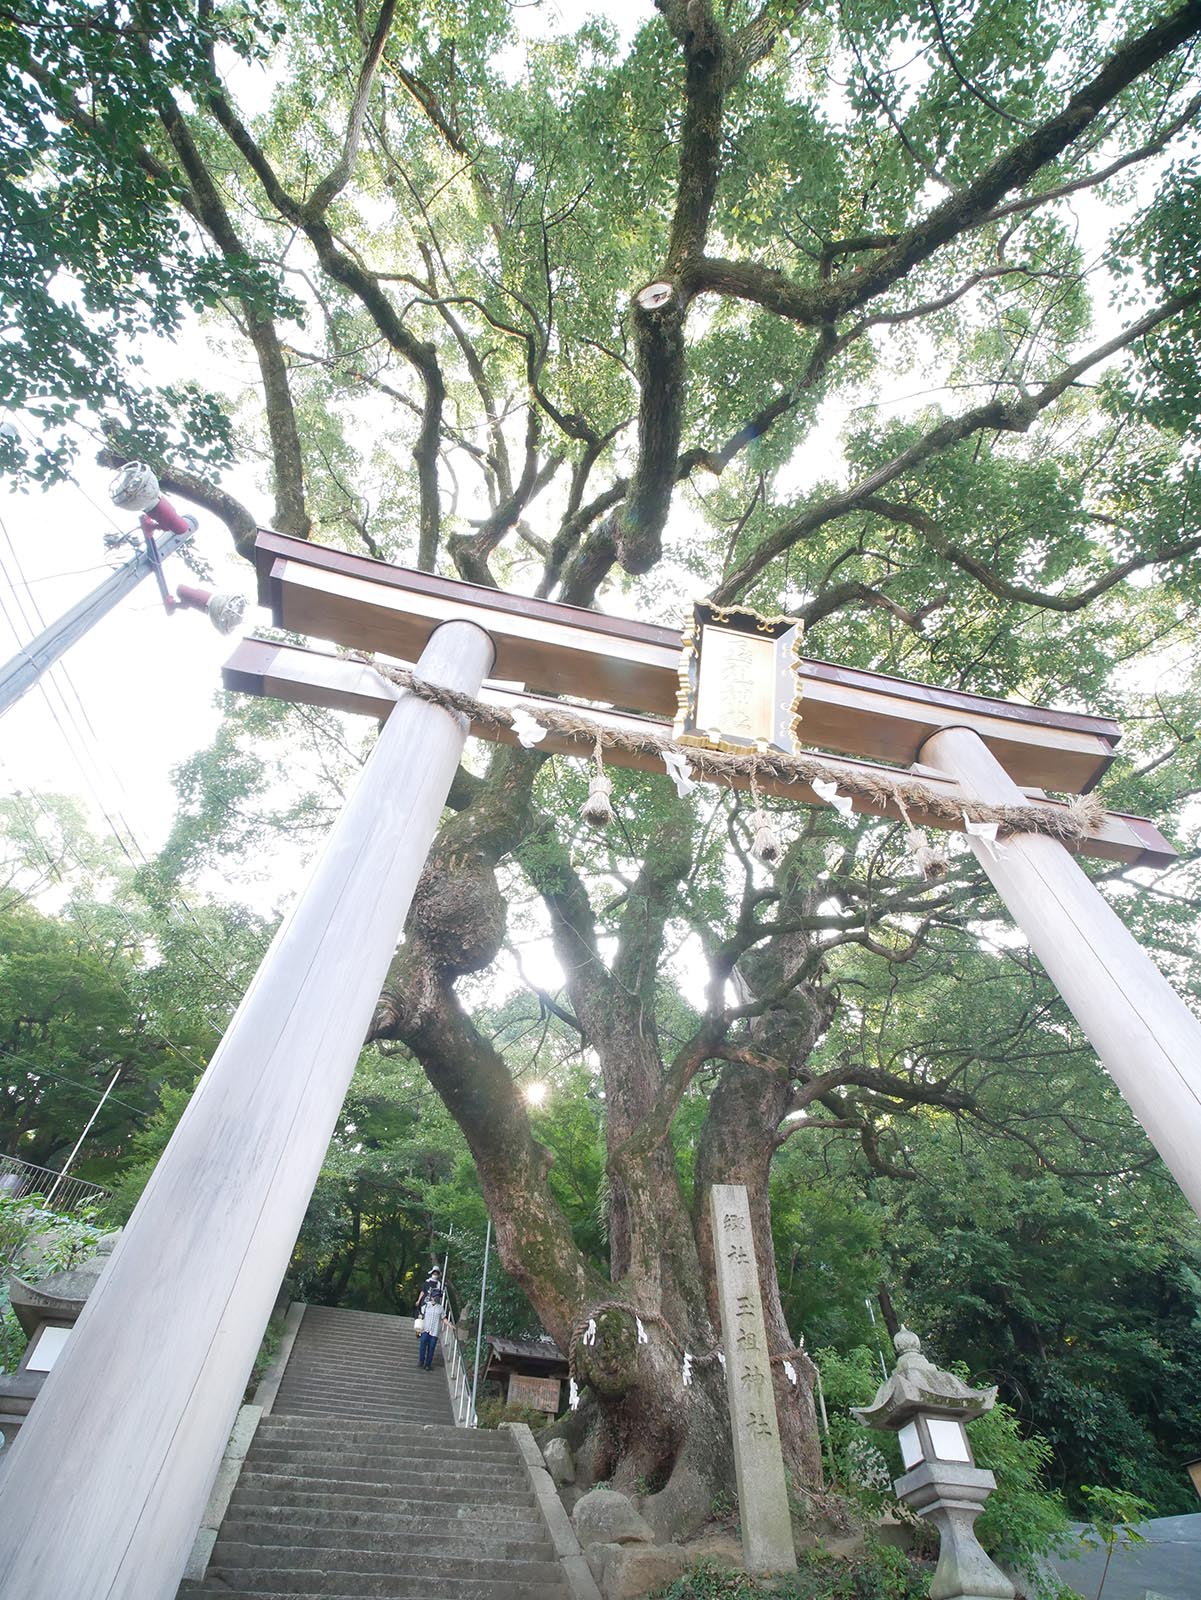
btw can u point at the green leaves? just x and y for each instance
(96, 253)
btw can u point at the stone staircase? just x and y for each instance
(358, 1484)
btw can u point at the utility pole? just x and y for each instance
(70, 1161)
(29, 663)
(164, 531)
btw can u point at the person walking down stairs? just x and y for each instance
(429, 1304)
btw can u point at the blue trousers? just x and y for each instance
(425, 1350)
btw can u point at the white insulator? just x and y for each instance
(135, 488)
(226, 610)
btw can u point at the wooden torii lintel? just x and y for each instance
(630, 665)
(310, 677)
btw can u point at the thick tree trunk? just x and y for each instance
(652, 1422)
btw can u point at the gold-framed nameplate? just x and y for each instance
(739, 684)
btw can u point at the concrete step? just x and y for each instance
(414, 1383)
(434, 1397)
(347, 1411)
(282, 1488)
(408, 1549)
(360, 1356)
(469, 1482)
(306, 1433)
(408, 1516)
(403, 1373)
(359, 1352)
(352, 1412)
(369, 1565)
(401, 1368)
(432, 1390)
(402, 1587)
(330, 1460)
(357, 1458)
(385, 1435)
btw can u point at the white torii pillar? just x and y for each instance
(1145, 1035)
(108, 1479)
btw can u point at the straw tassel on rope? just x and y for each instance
(765, 845)
(597, 810)
(931, 860)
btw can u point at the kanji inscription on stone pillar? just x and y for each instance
(758, 1458)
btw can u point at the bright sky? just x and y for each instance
(138, 694)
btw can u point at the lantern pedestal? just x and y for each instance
(952, 1496)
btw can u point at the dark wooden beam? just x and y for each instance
(555, 649)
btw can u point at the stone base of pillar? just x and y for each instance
(952, 1497)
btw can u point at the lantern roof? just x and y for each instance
(918, 1385)
(59, 1297)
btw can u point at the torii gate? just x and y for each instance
(108, 1478)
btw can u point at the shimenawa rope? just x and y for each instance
(1083, 815)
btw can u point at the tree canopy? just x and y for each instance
(881, 316)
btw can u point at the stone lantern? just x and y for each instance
(927, 1409)
(47, 1311)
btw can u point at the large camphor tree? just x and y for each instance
(916, 365)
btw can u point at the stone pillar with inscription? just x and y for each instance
(758, 1459)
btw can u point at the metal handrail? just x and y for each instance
(456, 1378)
(19, 1179)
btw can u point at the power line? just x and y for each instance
(91, 745)
(47, 1072)
(71, 572)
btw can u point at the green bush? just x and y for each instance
(882, 1574)
(1023, 1519)
(491, 1413)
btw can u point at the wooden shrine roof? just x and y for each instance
(533, 1356)
(370, 605)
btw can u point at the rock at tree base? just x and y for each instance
(560, 1462)
(628, 1571)
(603, 1516)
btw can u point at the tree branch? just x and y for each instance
(344, 269)
(914, 518)
(335, 181)
(961, 211)
(999, 415)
